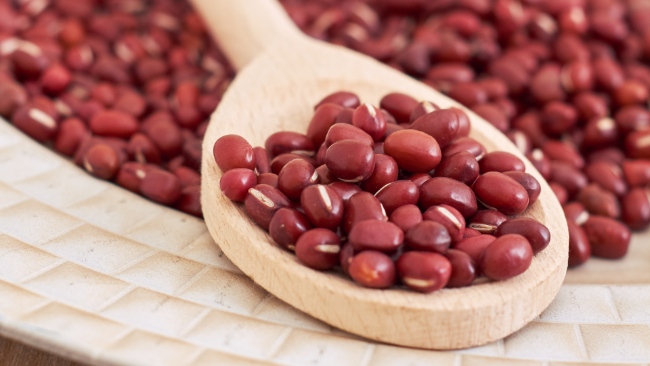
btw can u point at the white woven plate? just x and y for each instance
(95, 273)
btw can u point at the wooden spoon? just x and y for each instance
(282, 74)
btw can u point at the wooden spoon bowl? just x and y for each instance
(277, 90)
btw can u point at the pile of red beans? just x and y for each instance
(566, 80)
(396, 193)
(124, 87)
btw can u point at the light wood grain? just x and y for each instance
(277, 91)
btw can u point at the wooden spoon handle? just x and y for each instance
(245, 28)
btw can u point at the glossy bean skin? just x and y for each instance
(608, 238)
(461, 166)
(130, 175)
(397, 194)
(323, 206)
(372, 269)
(379, 235)
(599, 201)
(579, 248)
(440, 190)
(71, 132)
(465, 144)
(362, 206)
(161, 186)
(530, 184)
(419, 179)
(463, 268)
(232, 151)
(262, 162)
(635, 209)
(324, 118)
(506, 257)
(428, 236)
(398, 105)
(475, 246)
(345, 257)
(575, 212)
(567, 176)
(541, 162)
(498, 191)
(536, 233)
(422, 108)
(350, 160)
(190, 201)
(441, 124)
(281, 160)
(269, 179)
(560, 151)
(486, 221)
(414, 151)
(262, 202)
(295, 177)
(318, 249)
(607, 175)
(286, 142)
(449, 217)
(370, 119)
(345, 190)
(493, 114)
(500, 161)
(287, 226)
(424, 271)
(637, 144)
(636, 172)
(406, 217)
(113, 124)
(385, 172)
(470, 233)
(342, 98)
(342, 131)
(101, 161)
(235, 183)
(521, 141)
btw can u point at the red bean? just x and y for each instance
(463, 268)
(419, 178)
(130, 175)
(342, 131)
(500, 192)
(263, 165)
(468, 94)
(397, 194)
(590, 106)
(287, 226)
(350, 160)
(579, 249)
(113, 124)
(399, 106)
(608, 176)
(345, 257)
(345, 190)
(322, 205)
(530, 123)
(448, 217)
(268, 179)
(508, 256)
(501, 161)
(598, 201)
(560, 192)
(521, 141)
(558, 117)
(262, 202)
(143, 150)
(492, 114)
(637, 144)
(630, 92)
(37, 118)
(577, 76)
(287, 142)
(635, 209)
(190, 201)
(441, 124)
(575, 212)
(318, 249)
(556, 150)
(439, 191)
(568, 177)
(470, 233)
(465, 144)
(536, 233)
(540, 162)
(475, 246)
(55, 79)
(342, 98)
(546, 85)
(608, 74)
(414, 151)
(12, 96)
(324, 118)
(295, 176)
(637, 172)
(372, 269)
(461, 166)
(161, 186)
(632, 118)
(235, 183)
(608, 238)
(281, 160)
(188, 177)
(101, 161)
(362, 206)
(600, 132)
(423, 271)
(422, 108)
(486, 221)
(232, 151)
(376, 235)
(530, 184)
(406, 217)
(385, 172)
(428, 236)
(369, 119)
(70, 135)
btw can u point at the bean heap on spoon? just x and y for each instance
(393, 195)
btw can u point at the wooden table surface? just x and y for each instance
(17, 354)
